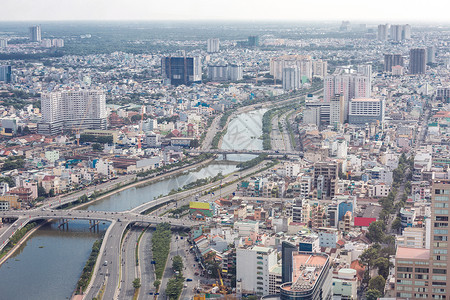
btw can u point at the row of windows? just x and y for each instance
(441, 198)
(441, 211)
(442, 192)
(440, 205)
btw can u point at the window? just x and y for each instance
(421, 290)
(441, 211)
(408, 282)
(440, 251)
(441, 198)
(440, 205)
(404, 269)
(439, 277)
(439, 257)
(440, 291)
(440, 231)
(422, 270)
(440, 245)
(420, 276)
(440, 238)
(403, 275)
(439, 271)
(438, 283)
(441, 218)
(442, 192)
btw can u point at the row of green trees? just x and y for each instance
(376, 257)
(179, 164)
(161, 247)
(253, 162)
(175, 284)
(13, 162)
(17, 237)
(86, 274)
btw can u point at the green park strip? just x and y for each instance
(161, 247)
(86, 274)
(137, 246)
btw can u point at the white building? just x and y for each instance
(253, 267)
(225, 72)
(213, 45)
(3, 43)
(366, 110)
(72, 110)
(413, 237)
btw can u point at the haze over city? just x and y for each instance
(415, 11)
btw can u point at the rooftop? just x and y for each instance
(412, 253)
(306, 270)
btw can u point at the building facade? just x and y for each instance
(181, 70)
(417, 61)
(72, 110)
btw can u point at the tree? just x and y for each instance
(177, 264)
(373, 294)
(397, 224)
(8, 180)
(367, 258)
(136, 283)
(51, 193)
(383, 265)
(156, 284)
(376, 231)
(377, 283)
(41, 192)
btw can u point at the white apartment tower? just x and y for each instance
(72, 110)
(213, 45)
(253, 267)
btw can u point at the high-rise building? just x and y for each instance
(6, 73)
(396, 32)
(337, 110)
(181, 70)
(253, 41)
(392, 60)
(213, 45)
(253, 266)
(423, 273)
(325, 179)
(406, 35)
(350, 85)
(383, 32)
(304, 63)
(3, 43)
(431, 54)
(366, 110)
(319, 68)
(72, 110)
(291, 79)
(443, 94)
(417, 61)
(228, 72)
(311, 278)
(35, 33)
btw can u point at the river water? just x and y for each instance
(49, 264)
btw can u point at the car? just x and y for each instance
(105, 263)
(188, 279)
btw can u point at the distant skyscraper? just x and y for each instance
(337, 110)
(392, 60)
(72, 110)
(291, 79)
(181, 70)
(431, 54)
(406, 32)
(6, 73)
(228, 72)
(351, 85)
(253, 41)
(383, 32)
(35, 33)
(396, 32)
(417, 61)
(213, 45)
(303, 62)
(3, 43)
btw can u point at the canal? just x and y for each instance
(49, 264)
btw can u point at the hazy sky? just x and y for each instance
(296, 10)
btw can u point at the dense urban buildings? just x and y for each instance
(301, 160)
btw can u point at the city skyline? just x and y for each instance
(252, 10)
